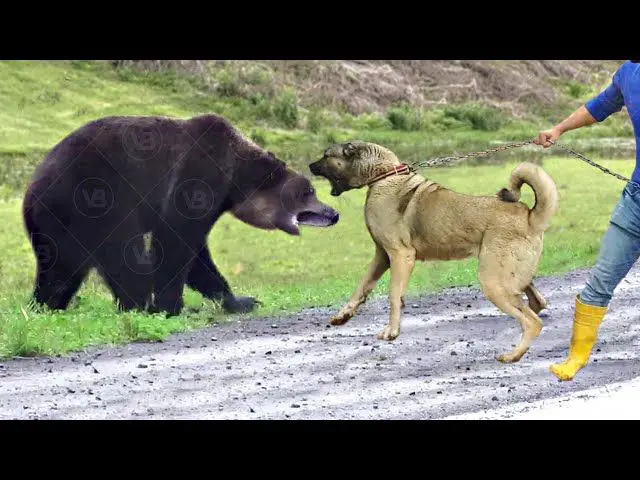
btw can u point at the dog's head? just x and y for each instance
(353, 165)
(284, 199)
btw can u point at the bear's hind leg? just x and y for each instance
(126, 264)
(56, 286)
(61, 266)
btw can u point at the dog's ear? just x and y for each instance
(349, 149)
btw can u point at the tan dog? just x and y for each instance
(412, 218)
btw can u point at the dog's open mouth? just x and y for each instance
(314, 219)
(336, 186)
(336, 190)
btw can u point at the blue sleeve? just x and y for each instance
(609, 101)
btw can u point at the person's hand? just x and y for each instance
(547, 137)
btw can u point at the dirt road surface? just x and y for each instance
(441, 367)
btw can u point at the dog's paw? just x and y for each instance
(536, 306)
(342, 317)
(389, 333)
(508, 358)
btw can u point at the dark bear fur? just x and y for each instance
(114, 179)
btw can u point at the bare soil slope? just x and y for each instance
(360, 86)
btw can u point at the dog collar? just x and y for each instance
(402, 169)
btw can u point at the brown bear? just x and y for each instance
(135, 197)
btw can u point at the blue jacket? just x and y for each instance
(624, 90)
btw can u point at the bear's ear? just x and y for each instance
(267, 170)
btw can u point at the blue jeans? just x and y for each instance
(619, 250)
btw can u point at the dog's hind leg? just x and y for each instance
(529, 322)
(402, 263)
(377, 267)
(531, 330)
(505, 275)
(537, 302)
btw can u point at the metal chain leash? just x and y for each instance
(452, 160)
(591, 162)
(436, 162)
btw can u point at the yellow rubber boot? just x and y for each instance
(586, 322)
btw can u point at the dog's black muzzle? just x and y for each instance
(315, 168)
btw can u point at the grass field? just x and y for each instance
(42, 101)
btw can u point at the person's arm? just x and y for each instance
(578, 119)
(595, 110)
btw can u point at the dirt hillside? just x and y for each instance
(365, 86)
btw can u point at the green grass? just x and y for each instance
(287, 273)
(40, 102)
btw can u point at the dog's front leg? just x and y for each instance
(377, 267)
(402, 263)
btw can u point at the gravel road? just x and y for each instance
(442, 365)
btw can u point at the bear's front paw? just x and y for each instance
(233, 304)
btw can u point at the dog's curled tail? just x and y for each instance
(544, 189)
